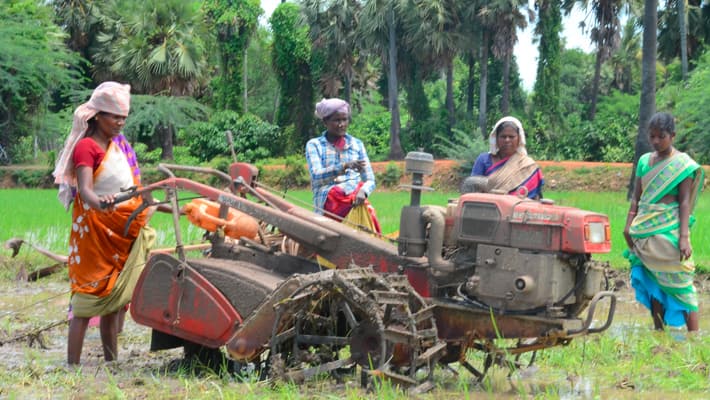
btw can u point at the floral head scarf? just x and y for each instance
(110, 97)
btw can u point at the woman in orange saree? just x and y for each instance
(104, 263)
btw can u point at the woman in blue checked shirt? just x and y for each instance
(341, 174)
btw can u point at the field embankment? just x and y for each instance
(563, 175)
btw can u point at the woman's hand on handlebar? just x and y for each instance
(108, 200)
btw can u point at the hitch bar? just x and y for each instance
(591, 311)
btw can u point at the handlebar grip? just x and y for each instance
(120, 198)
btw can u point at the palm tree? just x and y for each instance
(156, 45)
(682, 17)
(604, 33)
(504, 17)
(483, 91)
(471, 34)
(378, 28)
(77, 18)
(626, 60)
(648, 84)
(81, 20)
(432, 32)
(334, 34)
(292, 59)
(546, 96)
(674, 39)
(233, 23)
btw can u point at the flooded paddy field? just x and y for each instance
(628, 361)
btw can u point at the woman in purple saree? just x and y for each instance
(507, 165)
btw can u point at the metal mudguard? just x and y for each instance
(173, 298)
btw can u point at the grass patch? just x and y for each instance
(627, 361)
(582, 171)
(37, 216)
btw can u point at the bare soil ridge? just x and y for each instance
(448, 174)
(559, 175)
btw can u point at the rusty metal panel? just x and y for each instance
(457, 323)
(173, 298)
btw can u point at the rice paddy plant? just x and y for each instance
(37, 216)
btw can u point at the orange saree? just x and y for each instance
(98, 249)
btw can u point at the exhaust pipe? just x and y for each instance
(436, 219)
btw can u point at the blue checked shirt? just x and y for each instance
(325, 163)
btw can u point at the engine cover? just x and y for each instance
(508, 279)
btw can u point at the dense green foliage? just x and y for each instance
(233, 23)
(157, 45)
(451, 66)
(609, 137)
(690, 103)
(291, 58)
(156, 119)
(34, 67)
(546, 93)
(253, 138)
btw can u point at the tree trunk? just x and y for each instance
(470, 85)
(505, 100)
(483, 91)
(648, 85)
(396, 152)
(165, 133)
(347, 90)
(683, 38)
(450, 95)
(595, 85)
(244, 83)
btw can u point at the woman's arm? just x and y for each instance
(85, 182)
(684, 215)
(366, 173)
(633, 209)
(321, 174)
(479, 167)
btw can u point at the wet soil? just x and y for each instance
(31, 306)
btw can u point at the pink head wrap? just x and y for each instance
(328, 107)
(110, 97)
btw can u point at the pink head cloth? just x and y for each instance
(110, 97)
(328, 107)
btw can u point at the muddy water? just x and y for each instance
(27, 306)
(631, 320)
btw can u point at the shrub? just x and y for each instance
(374, 131)
(144, 156)
(182, 156)
(391, 176)
(22, 151)
(33, 178)
(464, 147)
(253, 138)
(294, 174)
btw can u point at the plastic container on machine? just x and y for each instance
(205, 214)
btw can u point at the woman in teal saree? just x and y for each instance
(658, 229)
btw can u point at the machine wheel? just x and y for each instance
(355, 317)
